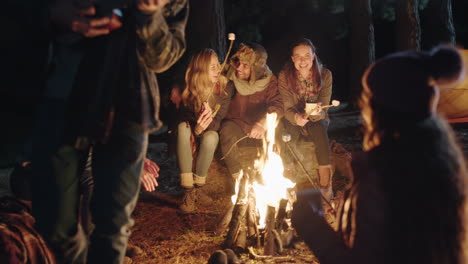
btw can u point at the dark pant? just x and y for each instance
(229, 133)
(315, 132)
(58, 165)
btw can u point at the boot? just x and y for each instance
(188, 201)
(325, 181)
(202, 198)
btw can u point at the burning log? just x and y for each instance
(224, 222)
(259, 194)
(238, 213)
(274, 258)
(269, 248)
(280, 218)
(253, 231)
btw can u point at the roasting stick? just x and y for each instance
(231, 37)
(333, 104)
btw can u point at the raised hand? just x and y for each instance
(70, 16)
(149, 175)
(257, 131)
(205, 119)
(301, 119)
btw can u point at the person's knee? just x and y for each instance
(224, 131)
(183, 131)
(210, 139)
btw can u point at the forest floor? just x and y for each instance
(166, 235)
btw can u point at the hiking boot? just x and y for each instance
(188, 201)
(202, 198)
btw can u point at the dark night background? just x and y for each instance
(273, 23)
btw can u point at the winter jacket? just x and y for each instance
(186, 113)
(246, 110)
(293, 103)
(116, 76)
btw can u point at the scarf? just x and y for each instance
(245, 88)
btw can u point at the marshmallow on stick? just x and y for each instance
(333, 104)
(231, 37)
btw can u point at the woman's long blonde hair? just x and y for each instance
(198, 87)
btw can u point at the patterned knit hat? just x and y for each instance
(253, 55)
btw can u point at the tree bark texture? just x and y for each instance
(206, 27)
(437, 23)
(408, 28)
(362, 43)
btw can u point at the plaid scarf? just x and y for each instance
(304, 86)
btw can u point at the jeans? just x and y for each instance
(208, 143)
(231, 132)
(313, 132)
(116, 166)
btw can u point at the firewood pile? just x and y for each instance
(242, 223)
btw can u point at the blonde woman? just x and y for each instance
(205, 101)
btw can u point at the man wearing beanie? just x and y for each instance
(256, 95)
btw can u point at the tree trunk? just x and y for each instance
(362, 43)
(408, 28)
(206, 27)
(438, 20)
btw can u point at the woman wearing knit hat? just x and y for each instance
(408, 201)
(304, 81)
(205, 102)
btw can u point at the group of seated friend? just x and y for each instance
(231, 104)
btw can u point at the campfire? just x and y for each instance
(258, 220)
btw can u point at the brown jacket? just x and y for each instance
(293, 103)
(246, 110)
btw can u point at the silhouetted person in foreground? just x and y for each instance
(101, 94)
(407, 204)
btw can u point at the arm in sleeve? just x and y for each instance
(225, 101)
(329, 247)
(288, 98)
(326, 91)
(274, 100)
(161, 40)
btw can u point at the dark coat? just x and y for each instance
(116, 80)
(186, 114)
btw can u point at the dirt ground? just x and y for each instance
(166, 235)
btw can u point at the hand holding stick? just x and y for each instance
(316, 108)
(215, 111)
